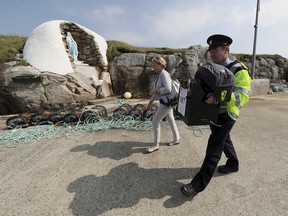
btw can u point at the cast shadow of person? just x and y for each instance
(125, 185)
(113, 150)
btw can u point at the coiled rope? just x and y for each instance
(39, 132)
(92, 123)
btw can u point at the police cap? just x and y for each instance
(217, 40)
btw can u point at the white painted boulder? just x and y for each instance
(46, 51)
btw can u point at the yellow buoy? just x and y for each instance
(127, 95)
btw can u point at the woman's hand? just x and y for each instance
(148, 108)
(154, 91)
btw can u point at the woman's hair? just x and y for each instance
(159, 60)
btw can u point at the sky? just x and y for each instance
(161, 23)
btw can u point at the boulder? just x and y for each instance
(133, 72)
(24, 88)
(58, 75)
(47, 49)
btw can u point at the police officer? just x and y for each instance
(219, 140)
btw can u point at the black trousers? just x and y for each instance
(219, 141)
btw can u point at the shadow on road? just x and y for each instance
(121, 149)
(125, 185)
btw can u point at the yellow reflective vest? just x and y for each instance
(241, 91)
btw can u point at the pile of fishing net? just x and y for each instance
(79, 116)
(35, 125)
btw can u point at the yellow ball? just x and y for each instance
(127, 95)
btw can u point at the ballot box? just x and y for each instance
(192, 109)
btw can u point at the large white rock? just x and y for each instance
(45, 51)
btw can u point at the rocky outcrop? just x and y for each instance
(24, 88)
(267, 68)
(133, 71)
(56, 77)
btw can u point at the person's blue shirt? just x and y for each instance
(226, 62)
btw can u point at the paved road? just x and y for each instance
(107, 172)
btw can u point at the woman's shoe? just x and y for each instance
(152, 149)
(175, 142)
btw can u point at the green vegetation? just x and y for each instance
(22, 63)
(116, 48)
(274, 57)
(10, 46)
(240, 57)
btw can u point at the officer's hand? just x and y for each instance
(210, 98)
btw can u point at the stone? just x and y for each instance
(47, 50)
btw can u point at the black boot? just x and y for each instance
(188, 190)
(227, 169)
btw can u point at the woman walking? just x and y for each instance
(161, 89)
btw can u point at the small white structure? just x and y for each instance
(45, 50)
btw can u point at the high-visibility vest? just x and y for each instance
(241, 91)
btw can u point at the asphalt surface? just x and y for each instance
(108, 173)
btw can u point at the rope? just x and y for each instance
(74, 131)
(120, 101)
(25, 135)
(198, 130)
(93, 121)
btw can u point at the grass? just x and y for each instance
(11, 45)
(275, 57)
(116, 48)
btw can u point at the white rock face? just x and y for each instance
(45, 50)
